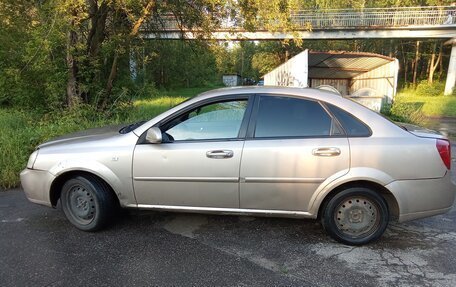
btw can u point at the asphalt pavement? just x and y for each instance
(39, 247)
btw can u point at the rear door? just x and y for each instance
(293, 145)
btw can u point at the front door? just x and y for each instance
(293, 146)
(197, 164)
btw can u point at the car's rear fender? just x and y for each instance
(403, 158)
(354, 175)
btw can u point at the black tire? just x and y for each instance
(355, 216)
(88, 202)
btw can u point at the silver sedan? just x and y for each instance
(267, 151)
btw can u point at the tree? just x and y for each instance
(265, 62)
(434, 62)
(415, 62)
(67, 52)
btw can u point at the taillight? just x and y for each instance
(444, 148)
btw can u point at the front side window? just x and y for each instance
(220, 120)
(291, 117)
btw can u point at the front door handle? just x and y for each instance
(220, 154)
(326, 151)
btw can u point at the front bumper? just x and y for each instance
(37, 185)
(423, 198)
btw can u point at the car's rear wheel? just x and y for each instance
(87, 202)
(355, 216)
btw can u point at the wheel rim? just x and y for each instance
(357, 217)
(81, 204)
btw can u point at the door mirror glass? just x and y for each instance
(154, 135)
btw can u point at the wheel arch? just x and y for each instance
(391, 201)
(59, 181)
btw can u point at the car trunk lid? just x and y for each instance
(421, 131)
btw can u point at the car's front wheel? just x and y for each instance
(355, 216)
(87, 202)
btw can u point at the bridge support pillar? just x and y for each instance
(451, 76)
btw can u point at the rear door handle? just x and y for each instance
(219, 154)
(326, 151)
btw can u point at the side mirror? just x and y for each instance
(154, 135)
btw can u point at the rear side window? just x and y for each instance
(352, 126)
(290, 117)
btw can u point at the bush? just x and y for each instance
(147, 91)
(405, 112)
(17, 140)
(23, 130)
(424, 89)
(408, 112)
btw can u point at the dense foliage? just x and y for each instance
(58, 53)
(22, 131)
(66, 65)
(90, 51)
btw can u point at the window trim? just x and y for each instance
(205, 102)
(254, 116)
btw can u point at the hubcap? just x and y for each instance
(82, 204)
(357, 216)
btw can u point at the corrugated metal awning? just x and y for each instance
(343, 65)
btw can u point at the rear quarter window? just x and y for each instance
(353, 127)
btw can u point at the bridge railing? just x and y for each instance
(376, 17)
(367, 18)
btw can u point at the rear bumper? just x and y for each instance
(36, 185)
(423, 198)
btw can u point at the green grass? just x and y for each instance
(437, 106)
(22, 131)
(418, 105)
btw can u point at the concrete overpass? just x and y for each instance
(431, 22)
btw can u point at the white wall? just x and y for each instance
(383, 79)
(231, 80)
(293, 73)
(340, 84)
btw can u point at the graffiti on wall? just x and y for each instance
(286, 79)
(230, 81)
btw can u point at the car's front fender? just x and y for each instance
(122, 186)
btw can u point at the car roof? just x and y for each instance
(295, 91)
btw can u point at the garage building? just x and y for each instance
(368, 78)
